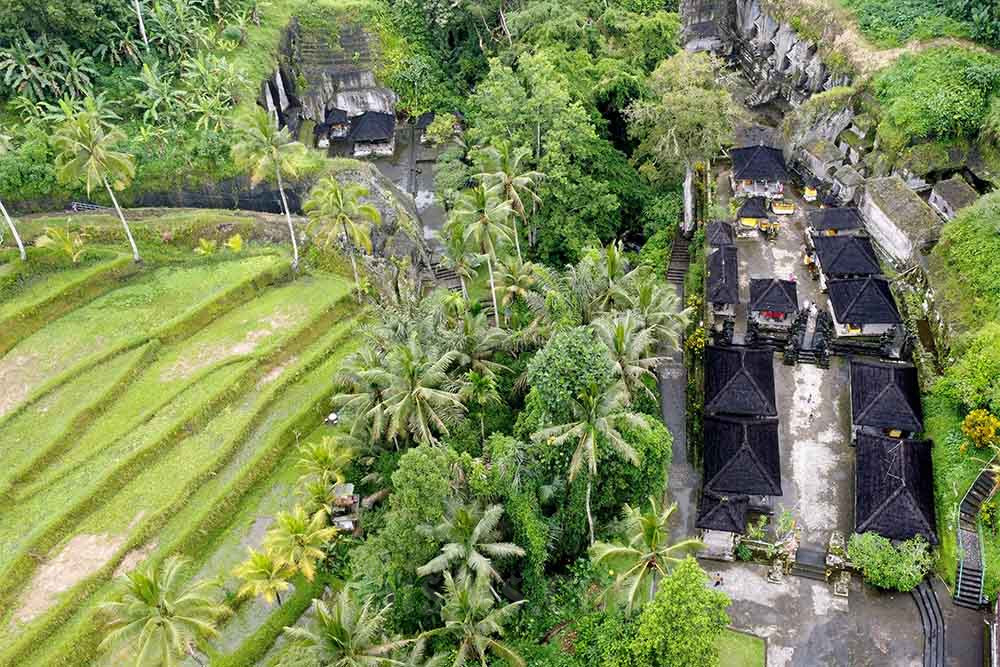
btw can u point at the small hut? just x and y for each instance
(950, 196)
(723, 281)
(373, 133)
(739, 381)
(773, 303)
(835, 221)
(894, 488)
(862, 307)
(810, 189)
(719, 233)
(758, 171)
(844, 257)
(885, 399)
(752, 217)
(741, 456)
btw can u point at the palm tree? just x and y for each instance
(471, 617)
(417, 401)
(324, 460)
(596, 415)
(629, 345)
(480, 389)
(85, 154)
(417, 656)
(456, 256)
(159, 619)
(263, 576)
(516, 280)
(299, 540)
(659, 307)
(646, 554)
(338, 209)
(483, 218)
(502, 167)
(362, 383)
(4, 147)
(471, 539)
(476, 343)
(349, 633)
(266, 152)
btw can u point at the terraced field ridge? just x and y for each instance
(148, 412)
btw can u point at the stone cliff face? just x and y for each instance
(779, 61)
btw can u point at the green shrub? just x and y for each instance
(569, 362)
(974, 379)
(893, 22)
(989, 515)
(895, 567)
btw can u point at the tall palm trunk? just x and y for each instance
(13, 230)
(354, 263)
(465, 290)
(493, 291)
(288, 219)
(121, 216)
(513, 222)
(142, 24)
(590, 517)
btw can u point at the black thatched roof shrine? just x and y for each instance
(753, 207)
(336, 117)
(739, 381)
(373, 126)
(741, 456)
(774, 295)
(846, 255)
(838, 218)
(720, 511)
(894, 488)
(723, 276)
(886, 396)
(863, 301)
(759, 163)
(719, 233)
(424, 120)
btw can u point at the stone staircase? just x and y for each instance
(932, 620)
(810, 564)
(969, 578)
(677, 268)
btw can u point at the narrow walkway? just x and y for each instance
(684, 480)
(969, 577)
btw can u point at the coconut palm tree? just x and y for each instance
(456, 256)
(515, 280)
(267, 152)
(646, 554)
(263, 576)
(418, 401)
(597, 412)
(660, 309)
(324, 460)
(299, 540)
(476, 343)
(362, 383)
(337, 209)
(483, 219)
(4, 147)
(503, 167)
(480, 390)
(629, 344)
(349, 633)
(157, 619)
(84, 144)
(417, 656)
(473, 620)
(471, 539)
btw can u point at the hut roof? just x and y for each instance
(957, 192)
(741, 456)
(373, 126)
(739, 381)
(894, 494)
(424, 120)
(336, 116)
(720, 511)
(846, 255)
(773, 294)
(840, 218)
(886, 396)
(719, 233)
(754, 207)
(723, 276)
(758, 163)
(863, 301)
